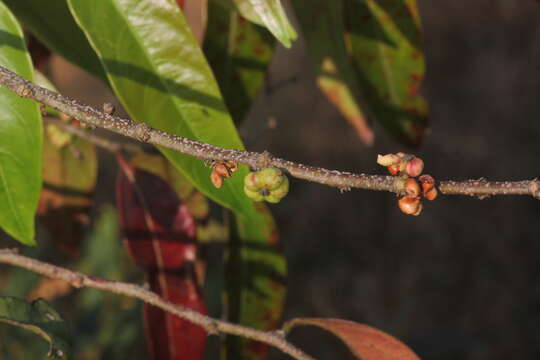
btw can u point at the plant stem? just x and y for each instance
(204, 151)
(211, 325)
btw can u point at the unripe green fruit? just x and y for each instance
(268, 184)
(253, 195)
(251, 182)
(281, 190)
(270, 178)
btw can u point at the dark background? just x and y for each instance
(457, 282)
(461, 280)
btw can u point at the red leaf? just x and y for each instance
(160, 237)
(365, 342)
(196, 14)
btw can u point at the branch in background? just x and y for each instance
(100, 141)
(203, 151)
(211, 326)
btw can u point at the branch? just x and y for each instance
(203, 151)
(212, 326)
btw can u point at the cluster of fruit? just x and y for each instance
(407, 168)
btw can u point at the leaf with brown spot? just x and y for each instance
(384, 42)
(322, 25)
(160, 235)
(365, 342)
(239, 53)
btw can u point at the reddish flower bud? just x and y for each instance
(414, 167)
(412, 189)
(410, 206)
(216, 179)
(431, 194)
(221, 169)
(428, 186)
(393, 169)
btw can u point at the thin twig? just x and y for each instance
(203, 151)
(98, 140)
(211, 326)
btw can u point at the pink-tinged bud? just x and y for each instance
(414, 167)
(428, 187)
(387, 160)
(393, 169)
(412, 189)
(410, 206)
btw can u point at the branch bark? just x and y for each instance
(212, 326)
(342, 180)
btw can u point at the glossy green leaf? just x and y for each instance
(53, 25)
(385, 44)
(322, 25)
(159, 73)
(269, 13)
(239, 53)
(20, 131)
(39, 318)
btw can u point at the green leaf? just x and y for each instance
(385, 40)
(20, 131)
(239, 53)
(269, 13)
(41, 319)
(322, 25)
(159, 73)
(54, 26)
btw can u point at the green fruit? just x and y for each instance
(251, 182)
(268, 184)
(282, 190)
(270, 178)
(253, 195)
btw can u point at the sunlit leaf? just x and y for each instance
(269, 13)
(53, 25)
(39, 318)
(365, 342)
(239, 53)
(322, 25)
(385, 45)
(20, 134)
(160, 235)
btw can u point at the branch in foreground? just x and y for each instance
(203, 151)
(212, 326)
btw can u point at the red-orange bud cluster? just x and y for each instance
(409, 167)
(222, 170)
